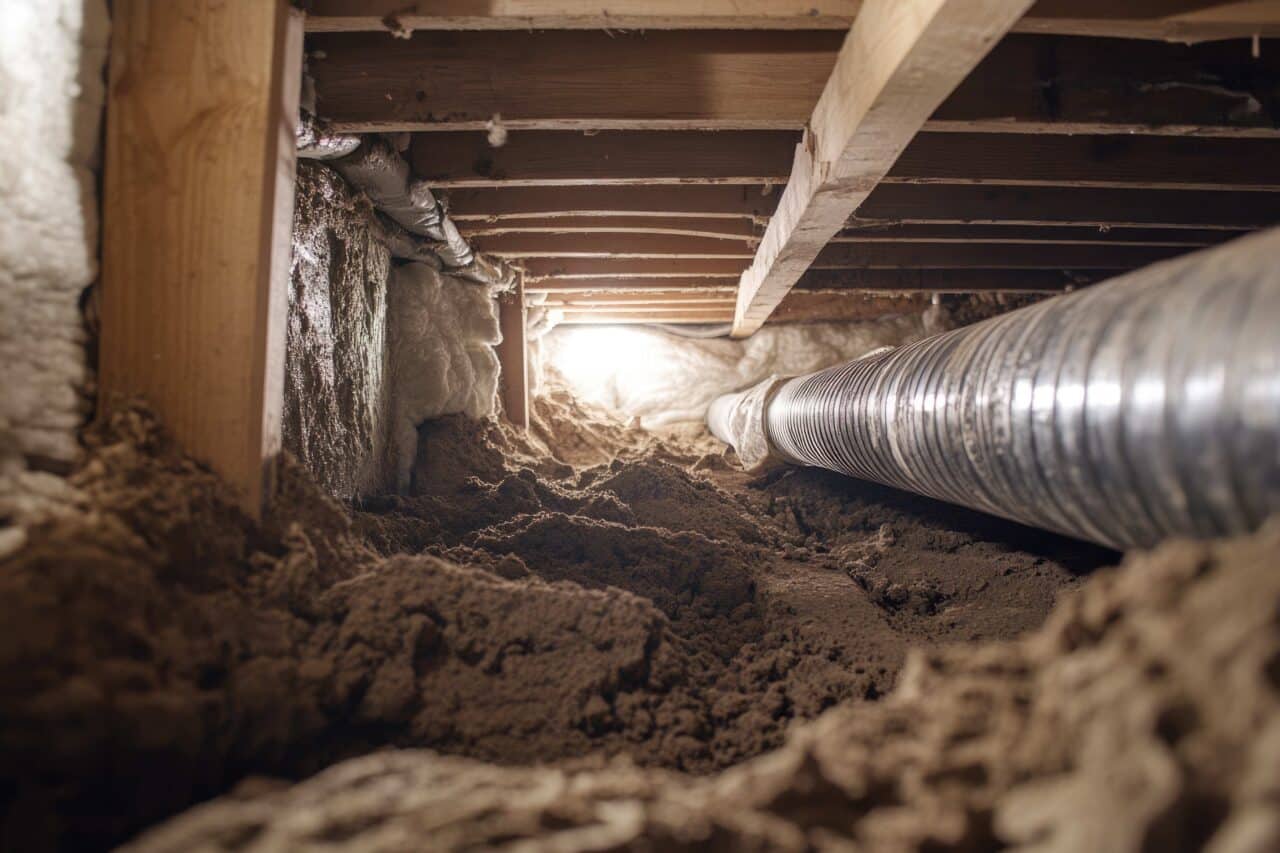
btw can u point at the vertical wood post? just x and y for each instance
(513, 355)
(198, 209)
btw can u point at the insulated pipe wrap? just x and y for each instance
(1141, 408)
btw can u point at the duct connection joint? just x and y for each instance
(739, 421)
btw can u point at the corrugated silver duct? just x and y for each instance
(1144, 407)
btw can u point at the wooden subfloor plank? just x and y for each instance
(197, 223)
(513, 356)
(856, 255)
(663, 202)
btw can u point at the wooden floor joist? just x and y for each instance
(1129, 162)
(1044, 235)
(735, 230)
(974, 280)
(584, 80)
(857, 255)
(1050, 206)
(633, 284)
(898, 63)
(1040, 85)
(612, 157)
(517, 246)
(197, 221)
(665, 202)
(1168, 20)
(540, 268)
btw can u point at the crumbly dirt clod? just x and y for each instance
(1145, 715)
(661, 610)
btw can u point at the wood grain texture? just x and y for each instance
(584, 80)
(734, 230)
(633, 284)
(1106, 208)
(198, 203)
(974, 280)
(1061, 235)
(856, 255)
(1127, 162)
(1034, 84)
(1166, 20)
(540, 268)
(610, 157)
(513, 356)
(664, 202)
(517, 246)
(900, 60)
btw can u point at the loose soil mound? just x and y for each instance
(660, 609)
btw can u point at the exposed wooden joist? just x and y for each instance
(571, 80)
(513, 356)
(540, 268)
(770, 81)
(1107, 208)
(1033, 84)
(1134, 162)
(855, 255)
(197, 221)
(679, 315)
(949, 281)
(1183, 21)
(735, 230)
(1170, 20)
(808, 307)
(1062, 235)
(724, 306)
(899, 62)
(665, 202)
(367, 15)
(633, 284)
(609, 245)
(685, 298)
(611, 157)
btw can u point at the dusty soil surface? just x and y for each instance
(660, 609)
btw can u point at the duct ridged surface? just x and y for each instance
(1141, 408)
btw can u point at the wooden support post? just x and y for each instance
(513, 355)
(198, 209)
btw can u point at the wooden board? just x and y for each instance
(665, 202)
(517, 246)
(1060, 235)
(585, 80)
(856, 255)
(1168, 20)
(974, 280)
(365, 15)
(1034, 84)
(513, 356)
(611, 157)
(1132, 162)
(633, 284)
(1107, 208)
(197, 221)
(539, 268)
(735, 230)
(679, 316)
(901, 59)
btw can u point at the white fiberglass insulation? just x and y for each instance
(441, 331)
(52, 54)
(661, 378)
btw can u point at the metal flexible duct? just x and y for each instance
(1144, 407)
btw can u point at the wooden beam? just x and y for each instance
(1032, 84)
(197, 223)
(720, 229)
(1169, 20)
(399, 15)
(513, 356)
(534, 158)
(1130, 162)
(856, 255)
(1062, 235)
(949, 280)
(680, 316)
(585, 80)
(633, 284)
(610, 246)
(540, 268)
(685, 298)
(1184, 21)
(899, 62)
(1102, 208)
(845, 307)
(665, 202)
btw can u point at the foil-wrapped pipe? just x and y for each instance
(1141, 408)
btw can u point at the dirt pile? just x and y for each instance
(516, 609)
(1108, 729)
